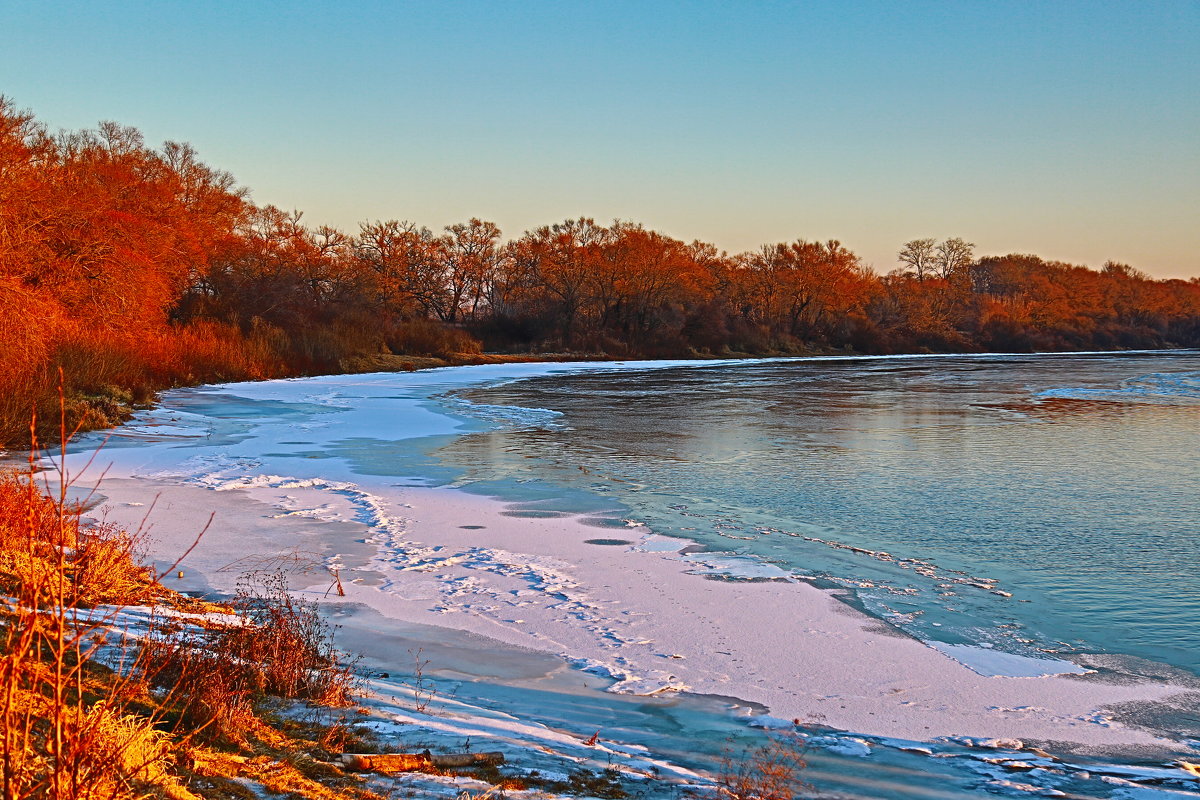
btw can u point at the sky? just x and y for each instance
(1066, 129)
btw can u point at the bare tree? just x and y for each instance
(919, 256)
(953, 257)
(472, 251)
(408, 260)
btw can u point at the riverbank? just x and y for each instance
(611, 607)
(634, 609)
(118, 687)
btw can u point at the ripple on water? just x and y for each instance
(1082, 519)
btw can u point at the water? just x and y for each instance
(1068, 482)
(1065, 481)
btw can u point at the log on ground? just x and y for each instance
(410, 762)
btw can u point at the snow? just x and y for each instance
(641, 618)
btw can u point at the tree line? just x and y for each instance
(133, 268)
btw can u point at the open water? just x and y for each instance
(1036, 505)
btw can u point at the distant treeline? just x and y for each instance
(133, 269)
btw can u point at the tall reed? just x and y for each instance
(59, 737)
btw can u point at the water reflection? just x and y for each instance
(1065, 478)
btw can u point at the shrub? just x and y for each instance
(769, 772)
(56, 740)
(288, 643)
(424, 337)
(279, 647)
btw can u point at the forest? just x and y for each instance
(127, 269)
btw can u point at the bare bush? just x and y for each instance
(769, 772)
(280, 646)
(423, 337)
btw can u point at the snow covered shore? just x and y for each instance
(551, 604)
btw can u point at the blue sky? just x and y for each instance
(1067, 129)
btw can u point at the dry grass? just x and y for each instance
(424, 337)
(58, 740)
(104, 377)
(47, 555)
(770, 772)
(277, 645)
(74, 729)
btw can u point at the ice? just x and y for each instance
(1171, 388)
(1004, 786)
(843, 745)
(991, 662)
(639, 619)
(1128, 792)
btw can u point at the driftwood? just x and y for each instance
(408, 762)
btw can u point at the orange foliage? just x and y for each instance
(133, 269)
(100, 236)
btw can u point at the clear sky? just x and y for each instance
(1066, 129)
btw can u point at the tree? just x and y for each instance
(825, 279)
(953, 258)
(799, 289)
(918, 255)
(561, 257)
(472, 252)
(406, 259)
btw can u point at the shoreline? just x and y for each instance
(411, 554)
(575, 601)
(116, 411)
(496, 686)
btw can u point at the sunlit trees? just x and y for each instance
(560, 258)
(406, 260)
(640, 284)
(134, 268)
(472, 252)
(801, 291)
(825, 282)
(100, 237)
